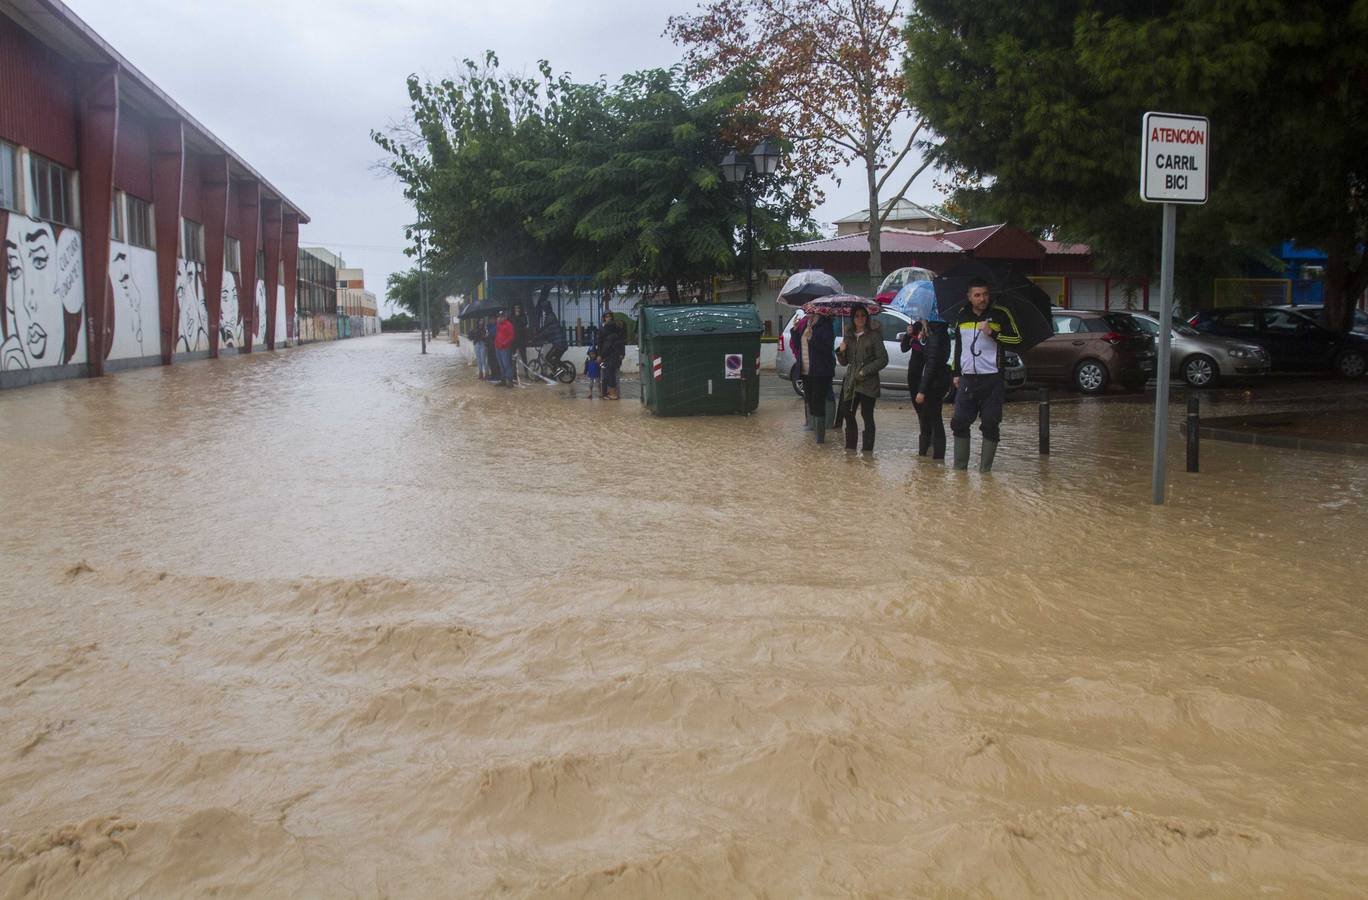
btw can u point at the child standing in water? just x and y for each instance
(591, 370)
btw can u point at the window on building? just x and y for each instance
(9, 178)
(138, 218)
(53, 194)
(192, 241)
(232, 255)
(116, 217)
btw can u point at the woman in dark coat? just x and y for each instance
(928, 379)
(816, 350)
(612, 347)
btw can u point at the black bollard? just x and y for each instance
(1194, 428)
(1044, 421)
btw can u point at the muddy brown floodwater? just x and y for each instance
(342, 622)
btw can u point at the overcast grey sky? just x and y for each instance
(295, 86)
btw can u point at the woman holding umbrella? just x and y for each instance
(815, 348)
(863, 354)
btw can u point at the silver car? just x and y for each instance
(1200, 359)
(894, 376)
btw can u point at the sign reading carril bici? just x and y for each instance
(1175, 165)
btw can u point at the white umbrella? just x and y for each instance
(808, 285)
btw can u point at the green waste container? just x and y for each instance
(700, 360)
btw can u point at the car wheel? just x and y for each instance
(796, 379)
(1090, 377)
(1350, 364)
(1199, 371)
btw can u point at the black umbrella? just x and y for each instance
(809, 284)
(480, 308)
(1025, 302)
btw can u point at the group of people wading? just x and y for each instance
(960, 360)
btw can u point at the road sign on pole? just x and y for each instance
(1174, 166)
(1173, 169)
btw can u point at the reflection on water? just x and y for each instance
(342, 621)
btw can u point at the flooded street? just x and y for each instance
(342, 621)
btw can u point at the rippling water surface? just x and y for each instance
(341, 621)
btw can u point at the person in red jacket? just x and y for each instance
(503, 348)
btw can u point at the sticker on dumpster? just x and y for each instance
(732, 363)
(656, 368)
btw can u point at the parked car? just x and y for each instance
(894, 282)
(894, 375)
(1316, 311)
(1200, 359)
(1091, 350)
(1293, 341)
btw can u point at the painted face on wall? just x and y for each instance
(31, 259)
(229, 326)
(127, 295)
(190, 300)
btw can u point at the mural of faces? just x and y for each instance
(43, 294)
(193, 334)
(260, 336)
(230, 329)
(127, 299)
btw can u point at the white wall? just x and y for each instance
(43, 320)
(136, 311)
(281, 335)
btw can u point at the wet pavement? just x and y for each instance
(342, 621)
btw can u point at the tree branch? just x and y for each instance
(888, 207)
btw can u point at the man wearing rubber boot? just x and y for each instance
(979, 332)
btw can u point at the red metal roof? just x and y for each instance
(897, 240)
(1056, 248)
(970, 238)
(892, 240)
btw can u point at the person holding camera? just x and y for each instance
(928, 380)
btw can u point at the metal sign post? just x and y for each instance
(1173, 169)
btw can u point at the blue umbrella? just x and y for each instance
(917, 300)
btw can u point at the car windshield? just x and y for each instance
(1185, 329)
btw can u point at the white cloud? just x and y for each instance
(295, 86)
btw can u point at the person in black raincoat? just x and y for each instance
(546, 330)
(612, 347)
(928, 380)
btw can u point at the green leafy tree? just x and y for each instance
(639, 197)
(545, 175)
(1039, 107)
(405, 290)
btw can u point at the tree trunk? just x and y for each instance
(673, 288)
(1343, 286)
(875, 244)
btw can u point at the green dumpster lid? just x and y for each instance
(700, 319)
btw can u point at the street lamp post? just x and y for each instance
(744, 170)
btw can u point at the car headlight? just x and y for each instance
(1011, 358)
(1241, 353)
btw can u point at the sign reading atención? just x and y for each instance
(1175, 165)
